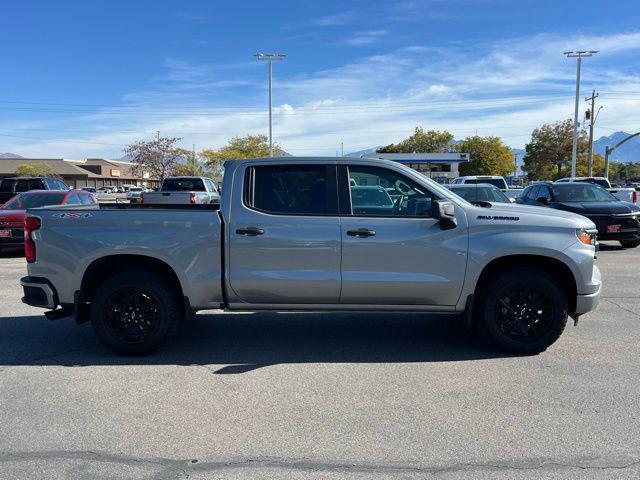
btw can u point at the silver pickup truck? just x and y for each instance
(314, 234)
(183, 190)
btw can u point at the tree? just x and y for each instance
(249, 146)
(156, 157)
(189, 169)
(549, 151)
(488, 156)
(433, 141)
(33, 170)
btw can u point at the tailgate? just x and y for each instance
(166, 197)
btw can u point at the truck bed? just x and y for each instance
(185, 237)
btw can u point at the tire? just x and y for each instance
(629, 243)
(136, 313)
(522, 310)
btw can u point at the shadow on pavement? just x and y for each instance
(245, 342)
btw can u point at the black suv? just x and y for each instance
(10, 187)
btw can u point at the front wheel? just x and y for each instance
(522, 310)
(135, 313)
(629, 243)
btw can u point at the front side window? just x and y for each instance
(288, 189)
(381, 192)
(544, 192)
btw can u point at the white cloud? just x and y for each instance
(504, 88)
(366, 37)
(335, 19)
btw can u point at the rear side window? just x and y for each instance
(86, 199)
(73, 199)
(289, 189)
(183, 185)
(7, 185)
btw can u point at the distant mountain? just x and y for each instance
(9, 155)
(627, 153)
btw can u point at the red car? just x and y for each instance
(12, 213)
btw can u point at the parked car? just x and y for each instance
(614, 219)
(9, 187)
(105, 190)
(480, 193)
(134, 192)
(494, 180)
(624, 194)
(183, 190)
(12, 213)
(287, 235)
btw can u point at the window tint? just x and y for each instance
(73, 199)
(533, 193)
(183, 185)
(86, 199)
(496, 182)
(544, 192)
(381, 192)
(288, 189)
(7, 185)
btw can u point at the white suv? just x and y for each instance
(495, 180)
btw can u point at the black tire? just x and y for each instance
(136, 313)
(522, 310)
(629, 243)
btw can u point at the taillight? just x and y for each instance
(634, 197)
(192, 198)
(31, 224)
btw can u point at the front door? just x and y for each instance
(284, 235)
(393, 251)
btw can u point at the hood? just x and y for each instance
(12, 216)
(511, 209)
(600, 208)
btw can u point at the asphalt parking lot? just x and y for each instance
(322, 396)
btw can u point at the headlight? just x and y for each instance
(587, 236)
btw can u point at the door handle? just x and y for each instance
(252, 231)
(361, 232)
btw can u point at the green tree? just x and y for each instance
(249, 146)
(488, 156)
(432, 141)
(191, 168)
(156, 157)
(33, 170)
(549, 151)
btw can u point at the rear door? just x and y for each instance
(284, 235)
(402, 255)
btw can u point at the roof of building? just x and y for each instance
(57, 166)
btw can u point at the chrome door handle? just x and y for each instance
(361, 232)
(252, 231)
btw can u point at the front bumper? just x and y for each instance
(629, 226)
(589, 302)
(38, 292)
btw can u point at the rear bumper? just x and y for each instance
(589, 302)
(15, 240)
(38, 292)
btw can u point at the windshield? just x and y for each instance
(33, 200)
(582, 192)
(183, 185)
(481, 194)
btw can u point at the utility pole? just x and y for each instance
(270, 57)
(342, 149)
(591, 115)
(580, 54)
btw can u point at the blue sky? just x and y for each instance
(84, 78)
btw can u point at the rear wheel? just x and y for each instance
(135, 313)
(629, 243)
(522, 310)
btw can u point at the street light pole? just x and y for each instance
(270, 57)
(580, 54)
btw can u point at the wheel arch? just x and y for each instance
(559, 270)
(104, 267)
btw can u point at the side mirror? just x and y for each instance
(542, 200)
(444, 211)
